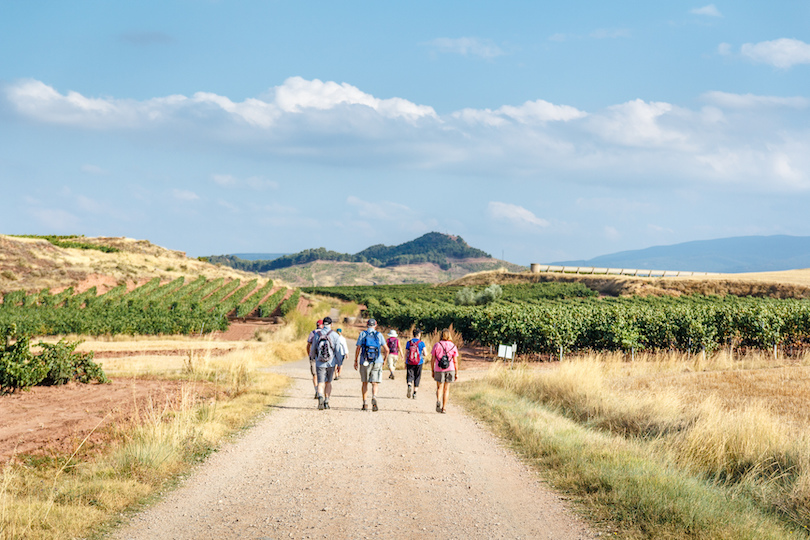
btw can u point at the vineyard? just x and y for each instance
(177, 307)
(555, 318)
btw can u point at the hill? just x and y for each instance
(328, 273)
(36, 263)
(436, 248)
(724, 255)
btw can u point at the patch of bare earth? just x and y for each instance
(54, 420)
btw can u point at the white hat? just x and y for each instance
(392, 333)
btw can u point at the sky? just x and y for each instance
(536, 132)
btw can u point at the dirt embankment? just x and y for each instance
(794, 284)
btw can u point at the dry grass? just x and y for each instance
(69, 497)
(741, 423)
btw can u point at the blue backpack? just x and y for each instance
(371, 352)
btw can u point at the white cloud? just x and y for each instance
(636, 123)
(467, 46)
(750, 101)
(38, 101)
(336, 124)
(710, 11)
(298, 94)
(184, 195)
(724, 49)
(782, 53)
(513, 213)
(529, 113)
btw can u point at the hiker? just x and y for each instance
(311, 354)
(444, 368)
(393, 352)
(414, 360)
(370, 351)
(327, 356)
(344, 352)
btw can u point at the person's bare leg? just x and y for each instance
(327, 391)
(365, 391)
(446, 393)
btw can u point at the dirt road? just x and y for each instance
(402, 472)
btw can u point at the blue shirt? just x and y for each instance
(421, 349)
(380, 343)
(332, 337)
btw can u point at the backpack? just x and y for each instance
(371, 352)
(393, 345)
(324, 351)
(444, 361)
(413, 352)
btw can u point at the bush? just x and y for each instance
(468, 297)
(57, 364)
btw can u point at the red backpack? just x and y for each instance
(413, 352)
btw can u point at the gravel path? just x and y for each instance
(402, 472)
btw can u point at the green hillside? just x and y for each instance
(432, 247)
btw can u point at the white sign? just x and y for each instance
(506, 351)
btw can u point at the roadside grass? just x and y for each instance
(657, 449)
(87, 492)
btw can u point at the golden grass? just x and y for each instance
(740, 423)
(69, 497)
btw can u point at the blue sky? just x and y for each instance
(543, 133)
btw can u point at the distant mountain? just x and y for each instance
(724, 255)
(432, 247)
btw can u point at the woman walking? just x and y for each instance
(444, 368)
(393, 351)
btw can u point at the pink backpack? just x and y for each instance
(393, 345)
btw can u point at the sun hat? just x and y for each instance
(320, 321)
(392, 333)
(372, 322)
(327, 321)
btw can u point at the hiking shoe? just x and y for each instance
(410, 390)
(326, 405)
(414, 393)
(317, 395)
(320, 403)
(374, 405)
(365, 406)
(337, 377)
(391, 376)
(438, 406)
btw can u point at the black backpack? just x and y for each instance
(444, 360)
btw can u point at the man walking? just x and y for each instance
(327, 356)
(371, 351)
(311, 354)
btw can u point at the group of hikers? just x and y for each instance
(328, 348)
